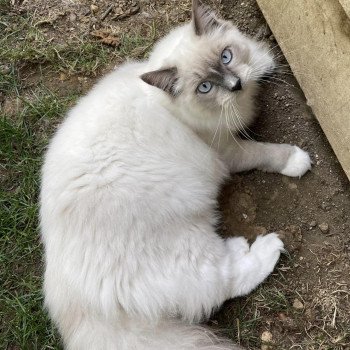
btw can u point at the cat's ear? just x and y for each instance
(164, 79)
(203, 19)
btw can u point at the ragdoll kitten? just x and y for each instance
(129, 188)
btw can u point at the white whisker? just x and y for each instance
(229, 129)
(240, 121)
(217, 128)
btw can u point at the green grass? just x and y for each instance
(23, 140)
(242, 328)
(25, 43)
(271, 299)
(4, 5)
(242, 319)
(9, 80)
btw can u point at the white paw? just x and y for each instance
(298, 163)
(268, 249)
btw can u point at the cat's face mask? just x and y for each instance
(212, 65)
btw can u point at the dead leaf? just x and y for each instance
(106, 37)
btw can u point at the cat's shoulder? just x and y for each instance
(126, 75)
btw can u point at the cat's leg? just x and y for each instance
(279, 158)
(239, 271)
(250, 265)
(206, 274)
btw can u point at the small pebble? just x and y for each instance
(297, 304)
(72, 17)
(325, 206)
(313, 223)
(324, 227)
(93, 8)
(266, 337)
(282, 316)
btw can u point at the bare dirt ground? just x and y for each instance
(305, 304)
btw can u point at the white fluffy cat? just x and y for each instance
(129, 187)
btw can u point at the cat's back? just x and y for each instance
(119, 137)
(118, 113)
(120, 108)
(111, 101)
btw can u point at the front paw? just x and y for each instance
(268, 249)
(298, 163)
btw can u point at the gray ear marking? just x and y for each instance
(164, 79)
(203, 18)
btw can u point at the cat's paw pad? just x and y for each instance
(268, 249)
(298, 163)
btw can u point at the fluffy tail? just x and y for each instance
(137, 335)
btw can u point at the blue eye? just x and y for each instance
(204, 87)
(226, 56)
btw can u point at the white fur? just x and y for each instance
(128, 210)
(298, 163)
(255, 262)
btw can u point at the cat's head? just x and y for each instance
(207, 66)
